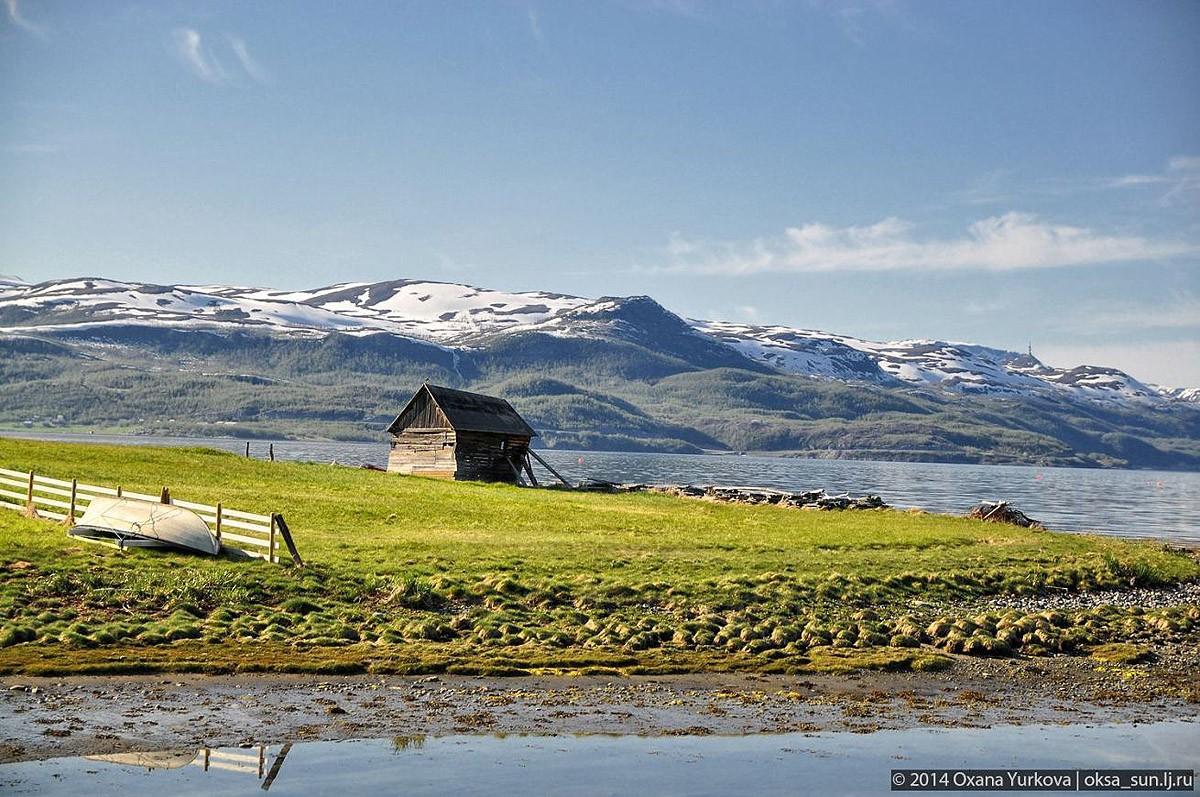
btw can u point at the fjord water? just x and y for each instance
(1162, 505)
(780, 764)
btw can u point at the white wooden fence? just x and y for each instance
(41, 496)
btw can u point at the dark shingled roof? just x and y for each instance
(472, 412)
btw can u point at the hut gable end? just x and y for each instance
(421, 412)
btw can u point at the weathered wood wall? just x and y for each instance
(424, 452)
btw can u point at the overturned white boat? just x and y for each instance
(127, 523)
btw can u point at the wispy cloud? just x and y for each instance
(190, 49)
(1180, 179)
(253, 68)
(31, 149)
(1178, 184)
(854, 17)
(17, 18)
(999, 243)
(1177, 313)
(535, 25)
(203, 62)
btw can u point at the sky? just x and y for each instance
(1009, 173)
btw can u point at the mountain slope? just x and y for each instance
(613, 372)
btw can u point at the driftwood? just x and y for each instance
(1001, 512)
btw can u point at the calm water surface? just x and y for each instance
(784, 764)
(1135, 503)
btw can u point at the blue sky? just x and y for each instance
(1002, 173)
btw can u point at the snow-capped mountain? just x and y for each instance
(957, 367)
(429, 310)
(465, 317)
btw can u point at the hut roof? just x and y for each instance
(470, 412)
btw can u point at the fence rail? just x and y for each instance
(41, 496)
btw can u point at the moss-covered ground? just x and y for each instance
(416, 575)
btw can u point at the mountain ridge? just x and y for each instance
(458, 315)
(620, 373)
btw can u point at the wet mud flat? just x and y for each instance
(50, 717)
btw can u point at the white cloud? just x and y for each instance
(195, 56)
(999, 243)
(17, 18)
(253, 68)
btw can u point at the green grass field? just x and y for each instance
(416, 575)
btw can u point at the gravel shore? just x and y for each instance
(1146, 598)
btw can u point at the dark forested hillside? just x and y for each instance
(603, 391)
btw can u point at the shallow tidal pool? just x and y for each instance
(781, 764)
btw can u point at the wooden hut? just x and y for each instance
(454, 434)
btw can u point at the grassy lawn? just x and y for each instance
(410, 574)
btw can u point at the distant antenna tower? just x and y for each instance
(1031, 348)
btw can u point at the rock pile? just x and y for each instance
(809, 499)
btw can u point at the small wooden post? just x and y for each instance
(206, 751)
(165, 496)
(271, 543)
(119, 491)
(286, 534)
(271, 451)
(218, 521)
(30, 509)
(261, 760)
(70, 519)
(247, 449)
(516, 472)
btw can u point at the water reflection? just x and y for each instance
(261, 761)
(522, 765)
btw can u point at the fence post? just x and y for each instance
(247, 449)
(218, 521)
(30, 509)
(118, 491)
(70, 519)
(165, 496)
(271, 451)
(271, 544)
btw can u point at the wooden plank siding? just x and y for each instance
(424, 452)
